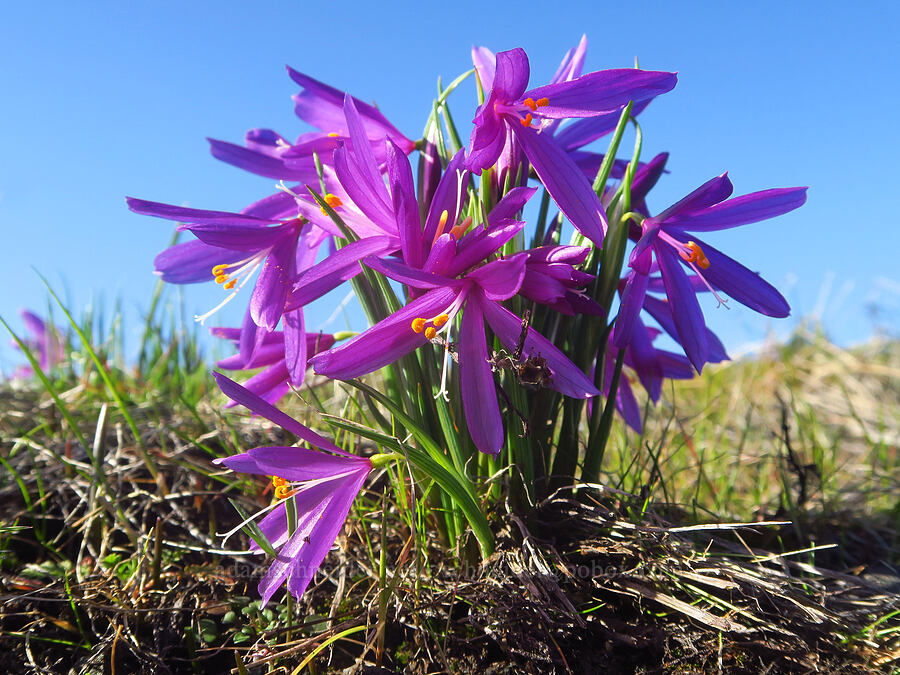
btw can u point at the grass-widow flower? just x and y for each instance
(322, 483)
(667, 243)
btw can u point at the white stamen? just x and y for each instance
(444, 391)
(247, 268)
(227, 535)
(296, 485)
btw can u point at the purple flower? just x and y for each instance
(267, 153)
(232, 246)
(450, 280)
(666, 243)
(387, 220)
(509, 108)
(551, 279)
(648, 364)
(572, 137)
(45, 344)
(323, 486)
(276, 376)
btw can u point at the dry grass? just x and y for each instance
(125, 574)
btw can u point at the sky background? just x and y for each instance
(106, 99)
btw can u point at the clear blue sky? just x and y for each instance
(106, 99)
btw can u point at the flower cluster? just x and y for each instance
(473, 292)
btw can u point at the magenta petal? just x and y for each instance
(647, 176)
(311, 506)
(573, 62)
(274, 526)
(626, 403)
(641, 258)
(742, 210)
(255, 404)
(662, 312)
(275, 207)
(509, 207)
(270, 384)
(711, 192)
(601, 91)
(384, 342)
(358, 171)
(301, 464)
(34, 325)
(485, 66)
(184, 214)
(271, 290)
(511, 75)
(487, 139)
(321, 535)
(685, 309)
(336, 269)
(500, 279)
(260, 163)
(477, 246)
(448, 196)
(407, 275)
(293, 463)
(476, 381)
(742, 284)
(627, 321)
(251, 338)
(571, 255)
(441, 256)
(588, 129)
(565, 182)
(191, 262)
(567, 378)
(322, 106)
(295, 344)
(265, 355)
(236, 237)
(406, 208)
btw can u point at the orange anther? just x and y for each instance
(333, 134)
(332, 200)
(459, 230)
(527, 121)
(440, 320)
(283, 492)
(418, 325)
(229, 285)
(529, 103)
(541, 102)
(430, 332)
(219, 270)
(221, 279)
(695, 254)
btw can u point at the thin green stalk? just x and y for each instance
(107, 379)
(36, 366)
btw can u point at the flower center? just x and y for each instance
(696, 259)
(533, 105)
(233, 280)
(441, 322)
(282, 488)
(420, 325)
